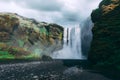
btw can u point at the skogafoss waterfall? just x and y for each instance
(77, 42)
(72, 45)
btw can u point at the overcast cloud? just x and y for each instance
(63, 12)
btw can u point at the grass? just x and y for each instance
(31, 56)
(6, 55)
(21, 43)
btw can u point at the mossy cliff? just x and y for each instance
(105, 47)
(22, 37)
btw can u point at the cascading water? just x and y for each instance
(86, 36)
(72, 45)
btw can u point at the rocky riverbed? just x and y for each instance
(46, 70)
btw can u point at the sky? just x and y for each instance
(62, 12)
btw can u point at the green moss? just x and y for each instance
(96, 15)
(43, 31)
(6, 55)
(105, 2)
(31, 56)
(118, 67)
(61, 36)
(15, 49)
(33, 32)
(21, 43)
(105, 46)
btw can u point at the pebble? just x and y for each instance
(35, 76)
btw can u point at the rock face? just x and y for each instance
(105, 48)
(20, 36)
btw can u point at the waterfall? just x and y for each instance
(86, 36)
(72, 45)
(77, 42)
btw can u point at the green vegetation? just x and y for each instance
(105, 47)
(21, 43)
(6, 55)
(31, 56)
(61, 36)
(105, 2)
(96, 15)
(19, 34)
(43, 31)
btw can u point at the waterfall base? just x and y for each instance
(72, 45)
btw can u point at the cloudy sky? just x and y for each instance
(63, 12)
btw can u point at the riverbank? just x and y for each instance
(49, 70)
(54, 70)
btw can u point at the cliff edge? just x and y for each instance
(22, 37)
(105, 48)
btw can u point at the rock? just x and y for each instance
(106, 35)
(35, 77)
(27, 36)
(46, 58)
(4, 36)
(71, 71)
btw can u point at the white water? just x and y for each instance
(72, 45)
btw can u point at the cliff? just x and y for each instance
(105, 48)
(22, 37)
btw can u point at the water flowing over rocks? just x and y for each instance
(72, 44)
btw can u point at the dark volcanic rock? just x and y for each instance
(23, 35)
(46, 70)
(46, 58)
(105, 48)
